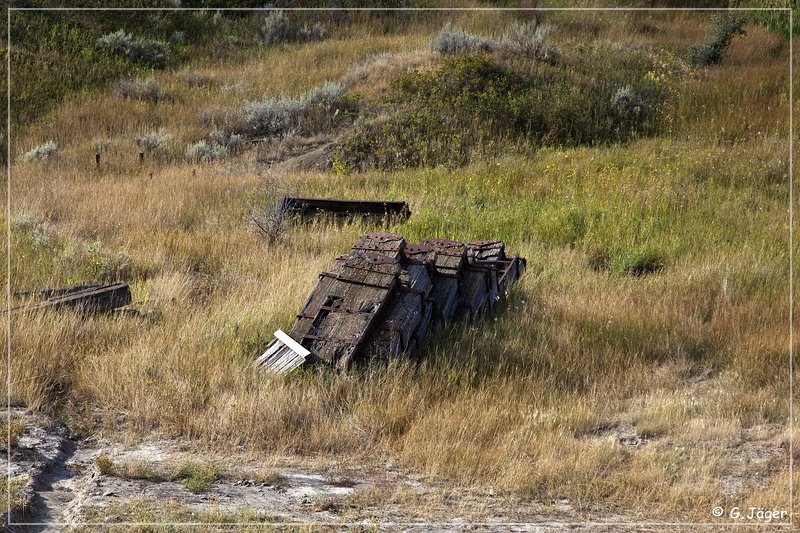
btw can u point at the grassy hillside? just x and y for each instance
(637, 368)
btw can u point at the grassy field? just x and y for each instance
(640, 395)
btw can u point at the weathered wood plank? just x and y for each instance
(472, 295)
(93, 299)
(309, 208)
(388, 244)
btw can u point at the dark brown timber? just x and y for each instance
(92, 298)
(386, 297)
(309, 208)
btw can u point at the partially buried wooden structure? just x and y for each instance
(384, 299)
(85, 298)
(371, 211)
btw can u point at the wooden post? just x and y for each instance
(97, 159)
(141, 158)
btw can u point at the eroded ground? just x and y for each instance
(89, 484)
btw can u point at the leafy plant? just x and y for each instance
(475, 103)
(196, 478)
(724, 28)
(141, 90)
(314, 111)
(151, 141)
(43, 152)
(278, 27)
(453, 40)
(529, 39)
(148, 52)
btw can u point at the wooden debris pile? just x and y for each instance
(386, 297)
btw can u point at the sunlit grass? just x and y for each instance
(531, 401)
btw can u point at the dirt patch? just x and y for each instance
(149, 482)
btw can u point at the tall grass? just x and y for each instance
(540, 401)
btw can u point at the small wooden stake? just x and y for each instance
(141, 158)
(97, 159)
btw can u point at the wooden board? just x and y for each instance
(94, 299)
(445, 297)
(340, 312)
(450, 257)
(389, 244)
(424, 326)
(486, 250)
(309, 208)
(472, 295)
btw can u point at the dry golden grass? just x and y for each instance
(629, 395)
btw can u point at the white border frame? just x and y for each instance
(545, 523)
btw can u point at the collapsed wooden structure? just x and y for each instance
(84, 298)
(384, 299)
(310, 208)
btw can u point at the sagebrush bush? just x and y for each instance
(232, 142)
(312, 112)
(151, 141)
(43, 152)
(25, 221)
(205, 152)
(724, 28)
(141, 90)
(281, 28)
(218, 146)
(148, 52)
(529, 39)
(626, 104)
(453, 40)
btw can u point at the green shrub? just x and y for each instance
(43, 152)
(196, 478)
(529, 39)
(281, 28)
(152, 141)
(147, 52)
(777, 21)
(476, 104)
(315, 111)
(633, 262)
(723, 30)
(141, 90)
(455, 41)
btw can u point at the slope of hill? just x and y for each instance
(637, 372)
